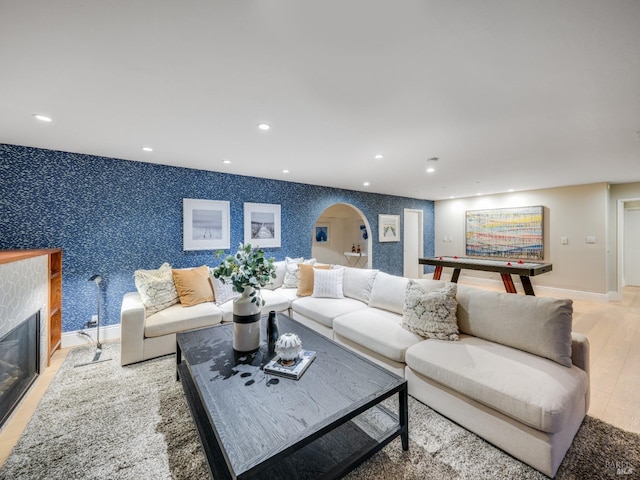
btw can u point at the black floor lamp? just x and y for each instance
(96, 356)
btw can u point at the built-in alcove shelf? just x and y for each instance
(54, 295)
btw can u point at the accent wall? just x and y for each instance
(113, 216)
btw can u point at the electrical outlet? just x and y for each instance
(564, 240)
(93, 322)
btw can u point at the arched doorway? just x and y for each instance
(339, 229)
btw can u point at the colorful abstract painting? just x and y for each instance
(505, 232)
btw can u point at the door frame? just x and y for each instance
(620, 242)
(420, 237)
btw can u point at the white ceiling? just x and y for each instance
(520, 94)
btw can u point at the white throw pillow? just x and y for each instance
(328, 283)
(156, 288)
(358, 283)
(431, 314)
(222, 292)
(388, 292)
(291, 271)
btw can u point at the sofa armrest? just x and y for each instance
(580, 351)
(132, 317)
(580, 358)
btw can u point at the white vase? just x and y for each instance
(246, 322)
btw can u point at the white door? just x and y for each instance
(631, 269)
(413, 243)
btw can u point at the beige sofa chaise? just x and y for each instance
(518, 377)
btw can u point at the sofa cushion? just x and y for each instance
(193, 285)
(539, 325)
(358, 282)
(388, 292)
(378, 330)
(156, 288)
(533, 390)
(306, 278)
(289, 293)
(324, 310)
(328, 283)
(178, 318)
(431, 314)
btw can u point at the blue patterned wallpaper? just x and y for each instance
(114, 216)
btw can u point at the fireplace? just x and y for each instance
(19, 363)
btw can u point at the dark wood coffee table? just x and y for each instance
(254, 425)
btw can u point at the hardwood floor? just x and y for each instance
(613, 330)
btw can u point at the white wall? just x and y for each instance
(573, 212)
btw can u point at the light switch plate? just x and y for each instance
(591, 239)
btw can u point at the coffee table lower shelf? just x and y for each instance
(327, 456)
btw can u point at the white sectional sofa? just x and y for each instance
(518, 377)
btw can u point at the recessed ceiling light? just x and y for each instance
(431, 164)
(147, 149)
(264, 126)
(226, 162)
(285, 171)
(478, 194)
(366, 184)
(511, 189)
(378, 156)
(451, 196)
(42, 118)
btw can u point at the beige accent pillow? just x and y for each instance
(431, 314)
(193, 285)
(538, 325)
(156, 288)
(305, 278)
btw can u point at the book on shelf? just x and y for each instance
(295, 370)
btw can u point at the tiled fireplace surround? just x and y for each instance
(23, 292)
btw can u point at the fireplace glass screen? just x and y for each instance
(19, 363)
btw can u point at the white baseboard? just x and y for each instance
(75, 338)
(539, 289)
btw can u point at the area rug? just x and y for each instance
(103, 421)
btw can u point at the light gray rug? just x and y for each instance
(103, 421)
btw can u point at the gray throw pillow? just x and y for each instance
(431, 314)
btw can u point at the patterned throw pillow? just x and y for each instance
(223, 292)
(328, 283)
(431, 314)
(156, 288)
(291, 272)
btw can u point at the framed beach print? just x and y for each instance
(206, 224)
(262, 225)
(388, 228)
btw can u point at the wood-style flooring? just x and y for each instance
(613, 330)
